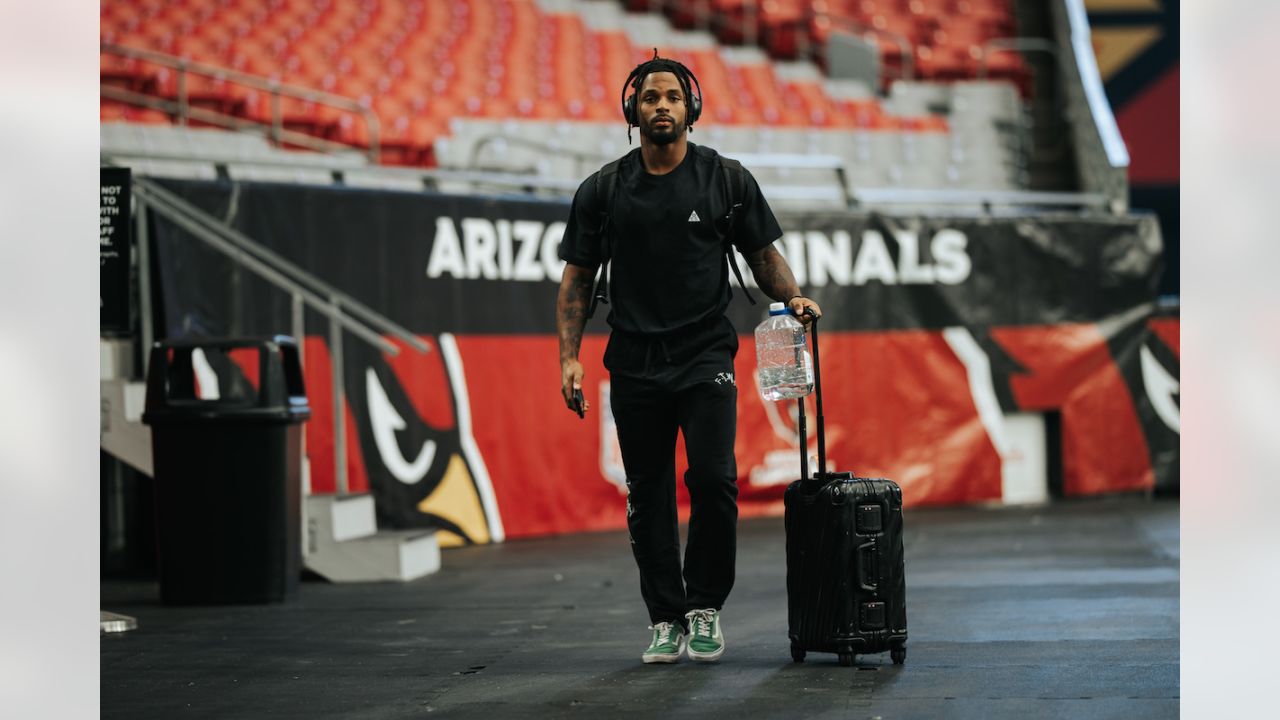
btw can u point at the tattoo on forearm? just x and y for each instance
(772, 274)
(571, 311)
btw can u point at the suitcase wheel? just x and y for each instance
(797, 652)
(846, 659)
(898, 655)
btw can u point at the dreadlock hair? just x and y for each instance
(693, 103)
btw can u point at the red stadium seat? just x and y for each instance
(864, 114)
(109, 111)
(148, 116)
(419, 64)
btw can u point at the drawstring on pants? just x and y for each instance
(660, 344)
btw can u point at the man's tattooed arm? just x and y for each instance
(571, 308)
(571, 319)
(772, 273)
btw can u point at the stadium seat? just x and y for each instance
(430, 69)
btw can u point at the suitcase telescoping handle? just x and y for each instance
(817, 389)
(804, 440)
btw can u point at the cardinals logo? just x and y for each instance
(408, 432)
(611, 467)
(782, 465)
(1152, 378)
(1121, 368)
(414, 448)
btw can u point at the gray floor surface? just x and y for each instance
(1067, 611)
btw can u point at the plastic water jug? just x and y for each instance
(782, 356)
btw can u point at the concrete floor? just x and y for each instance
(1069, 611)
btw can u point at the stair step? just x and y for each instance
(351, 516)
(122, 433)
(403, 536)
(389, 555)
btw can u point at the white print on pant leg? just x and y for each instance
(724, 377)
(630, 511)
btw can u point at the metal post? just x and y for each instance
(304, 463)
(817, 388)
(296, 327)
(144, 279)
(1017, 44)
(749, 22)
(182, 92)
(804, 440)
(339, 405)
(277, 119)
(299, 334)
(374, 127)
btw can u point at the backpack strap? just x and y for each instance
(734, 179)
(606, 194)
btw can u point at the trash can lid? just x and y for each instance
(226, 379)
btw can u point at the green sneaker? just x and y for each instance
(706, 641)
(667, 645)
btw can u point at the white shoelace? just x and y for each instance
(701, 622)
(664, 632)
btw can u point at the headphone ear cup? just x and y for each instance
(629, 109)
(695, 110)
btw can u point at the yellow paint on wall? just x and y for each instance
(1117, 47)
(1102, 6)
(457, 501)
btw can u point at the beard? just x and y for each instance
(664, 135)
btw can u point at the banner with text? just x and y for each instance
(939, 331)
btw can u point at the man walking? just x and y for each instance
(660, 221)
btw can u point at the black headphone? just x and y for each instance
(657, 64)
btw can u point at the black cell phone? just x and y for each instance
(577, 402)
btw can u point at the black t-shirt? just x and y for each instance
(668, 269)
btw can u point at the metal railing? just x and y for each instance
(776, 161)
(1014, 44)
(181, 108)
(337, 168)
(485, 141)
(985, 201)
(838, 192)
(306, 290)
(1102, 157)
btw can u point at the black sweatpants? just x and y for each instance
(659, 387)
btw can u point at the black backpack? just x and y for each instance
(733, 179)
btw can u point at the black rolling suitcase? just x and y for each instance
(846, 585)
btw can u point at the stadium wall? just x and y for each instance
(938, 330)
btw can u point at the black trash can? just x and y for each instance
(226, 432)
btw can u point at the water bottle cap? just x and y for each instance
(778, 309)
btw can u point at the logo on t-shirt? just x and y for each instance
(693, 216)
